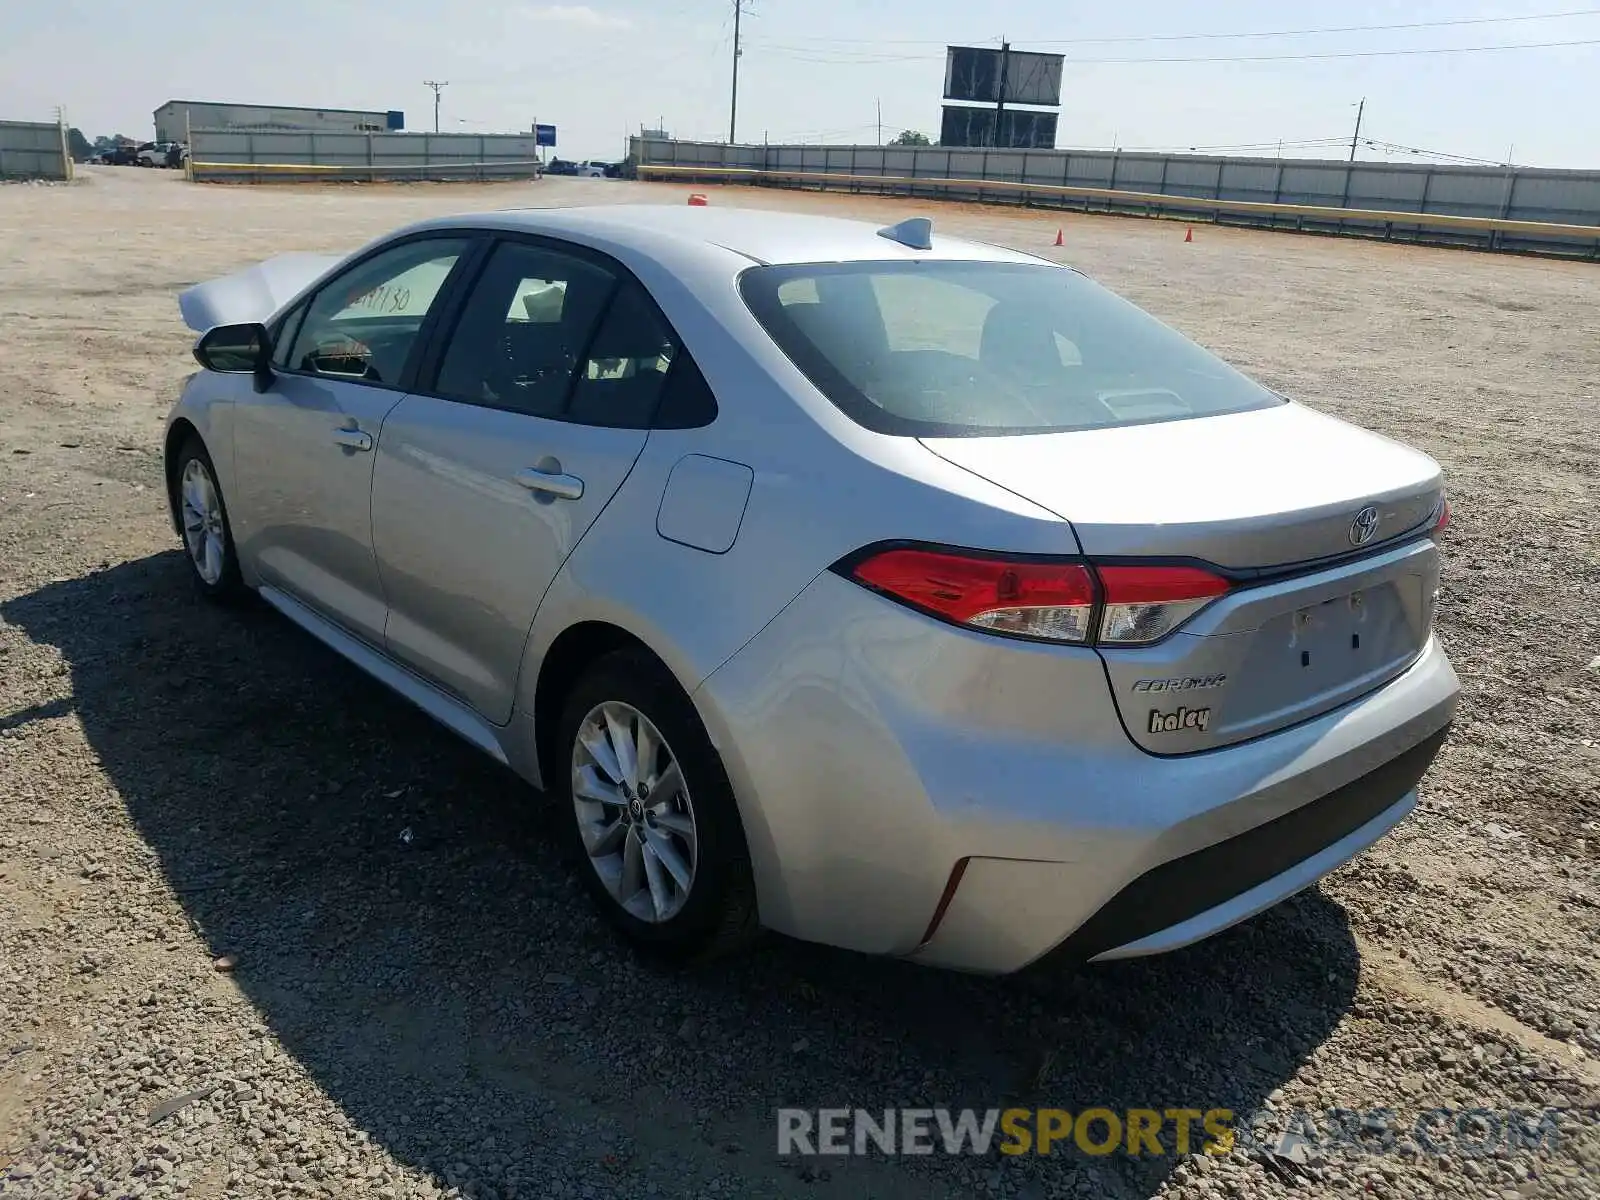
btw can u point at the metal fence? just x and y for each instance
(257, 156)
(33, 150)
(1504, 208)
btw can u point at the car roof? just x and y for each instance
(761, 235)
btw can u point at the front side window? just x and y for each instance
(949, 349)
(363, 325)
(524, 329)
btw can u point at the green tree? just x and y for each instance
(77, 145)
(910, 137)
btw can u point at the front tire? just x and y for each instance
(203, 517)
(653, 821)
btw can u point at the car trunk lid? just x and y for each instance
(1314, 523)
(1249, 491)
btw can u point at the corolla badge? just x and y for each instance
(1365, 527)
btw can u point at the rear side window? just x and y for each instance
(557, 335)
(626, 366)
(946, 349)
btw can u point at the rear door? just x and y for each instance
(537, 407)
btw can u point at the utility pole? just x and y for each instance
(1360, 108)
(1000, 106)
(437, 87)
(880, 121)
(733, 102)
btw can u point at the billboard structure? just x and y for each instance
(974, 73)
(984, 81)
(1015, 128)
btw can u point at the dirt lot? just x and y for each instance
(409, 1017)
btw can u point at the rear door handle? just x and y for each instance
(564, 487)
(354, 439)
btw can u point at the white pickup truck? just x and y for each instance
(157, 154)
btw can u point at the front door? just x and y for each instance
(303, 448)
(483, 486)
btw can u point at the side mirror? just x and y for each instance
(237, 350)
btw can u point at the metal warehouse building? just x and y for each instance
(176, 117)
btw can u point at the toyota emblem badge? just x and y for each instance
(1365, 527)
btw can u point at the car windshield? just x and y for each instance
(945, 349)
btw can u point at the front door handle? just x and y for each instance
(354, 439)
(564, 487)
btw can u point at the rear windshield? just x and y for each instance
(948, 349)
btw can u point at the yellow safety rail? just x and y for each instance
(362, 168)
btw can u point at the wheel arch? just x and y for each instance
(573, 651)
(178, 432)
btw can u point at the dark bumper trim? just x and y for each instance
(1183, 888)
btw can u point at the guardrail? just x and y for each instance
(1584, 239)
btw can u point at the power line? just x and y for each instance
(1185, 37)
(1275, 144)
(1197, 37)
(802, 55)
(1305, 57)
(1395, 147)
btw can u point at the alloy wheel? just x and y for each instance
(204, 533)
(634, 812)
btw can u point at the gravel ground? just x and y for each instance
(264, 931)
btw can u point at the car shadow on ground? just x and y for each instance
(407, 925)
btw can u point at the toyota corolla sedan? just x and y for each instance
(881, 588)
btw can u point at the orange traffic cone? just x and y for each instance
(1188, 234)
(697, 199)
(1058, 237)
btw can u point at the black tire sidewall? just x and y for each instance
(231, 584)
(721, 886)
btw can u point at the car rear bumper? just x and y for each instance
(1187, 899)
(973, 802)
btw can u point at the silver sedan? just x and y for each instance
(877, 587)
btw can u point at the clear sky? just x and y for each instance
(818, 69)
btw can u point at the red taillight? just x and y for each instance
(1034, 599)
(1051, 600)
(1145, 603)
(1444, 515)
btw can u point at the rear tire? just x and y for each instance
(658, 839)
(203, 517)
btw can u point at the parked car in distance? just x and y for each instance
(560, 166)
(124, 154)
(162, 154)
(595, 169)
(885, 589)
